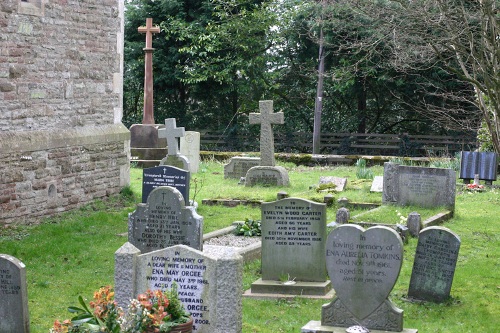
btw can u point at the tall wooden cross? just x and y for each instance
(171, 132)
(149, 30)
(266, 118)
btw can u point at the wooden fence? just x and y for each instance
(347, 143)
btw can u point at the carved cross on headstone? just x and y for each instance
(171, 132)
(149, 30)
(266, 118)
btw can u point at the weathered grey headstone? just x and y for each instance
(414, 223)
(267, 173)
(209, 282)
(190, 147)
(238, 166)
(163, 221)
(434, 266)
(165, 175)
(423, 187)
(267, 176)
(484, 164)
(377, 184)
(343, 215)
(171, 132)
(14, 316)
(338, 182)
(293, 247)
(363, 266)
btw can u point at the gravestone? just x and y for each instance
(417, 186)
(190, 147)
(377, 184)
(363, 266)
(267, 174)
(163, 221)
(414, 223)
(14, 316)
(165, 175)
(171, 132)
(209, 282)
(484, 164)
(238, 166)
(293, 247)
(434, 266)
(338, 182)
(343, 215)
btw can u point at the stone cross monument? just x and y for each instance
(266, 118)
(149, 30)
(171, 132)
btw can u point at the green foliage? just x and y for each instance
(249, 228)
(362, 172)
(484, 138)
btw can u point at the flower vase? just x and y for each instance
(183, 328)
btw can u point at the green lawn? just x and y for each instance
(73, 254)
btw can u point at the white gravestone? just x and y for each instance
(171, 132)
(190, 147)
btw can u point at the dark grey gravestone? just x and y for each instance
(293, 247)
(469, 164)
(163, 221)
(434, 266)
(484, 164)
(417, 186)
(488, 166)
(343, 215)
(165, 176)
(239, 166)
(363, 266)
(414, 223)
(14, 316)
(209, 282)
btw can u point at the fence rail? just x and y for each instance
(347, 143)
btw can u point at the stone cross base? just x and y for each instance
(261, 288)
(267, 176)
(316, 327)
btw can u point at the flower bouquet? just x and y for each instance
(474, 188)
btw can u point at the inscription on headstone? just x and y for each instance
(434, 266)
(165, 176)
(14, 315)
(164, 221)
(239, 166)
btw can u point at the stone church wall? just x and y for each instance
(62, 143)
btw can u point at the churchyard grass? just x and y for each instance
(73, 254)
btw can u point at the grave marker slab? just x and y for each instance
(13, 296)
(163, 221)
(209, 282)
(267, 176)
(340, 183)
(434, 266)
(165, 175)
(377, 184)
(171, 132)
(190, 147)
(423, 187)
(293, 247)
(239, 166)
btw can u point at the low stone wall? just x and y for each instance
(47, 172)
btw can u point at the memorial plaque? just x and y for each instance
(469, 164)
(434, 266)
(14, 315)
(488, 166)
(165, 176)
(164, 221)
(363, 266)
(239, 166)
(293, 240)
(484, 164)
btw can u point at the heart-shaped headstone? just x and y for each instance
(363, 265)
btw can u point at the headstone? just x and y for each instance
(267, 174)
(338, 182)
(364, 266)
(343, 215)
(434, 266)
(171, 132)
(14, 316)
(165, 175)
(293, 247)
(209, 282)
(417, 186)
(190, 147)
(163, 221)
(414, 223)
(239, 166)
(484, 164)
(377, 184)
